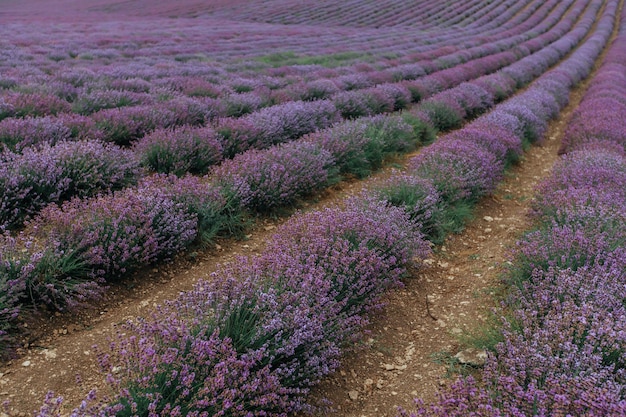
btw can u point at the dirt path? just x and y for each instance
(446, 299)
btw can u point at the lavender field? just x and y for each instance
(134, 132)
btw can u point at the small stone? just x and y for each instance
(268, 228)
(488, 230)
(471, 356)
(389, 367)
(26, 364)
(394, 392)
(380, 384)
(354, 395)
(488, 218)
(49, 354)
(456, 330)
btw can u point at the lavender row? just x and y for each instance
(166, 151)
(362, 14)
(95, 97)
(255, 338)
(562, 350)
(194, 150)
(127, 124)
(597, 116)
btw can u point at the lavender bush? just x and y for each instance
(291, 120)
(123, 126)
(419, 198)
(17, 134)
(346, 143)
(96, 100)
(237, 135)
(56, 173)
(32, 105)
(217, 209)
(459, 169)
(276, 177)
(179, 150)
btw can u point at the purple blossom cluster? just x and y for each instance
(179, 150)
(67, 253)
(419, 198)
(12, 289)
(95, 100)
(274, 125)
(563, 349)
(123, 126)
(117, 233)
(459, 169)
(17, 134)
(266, 179)
(32, 104)
(37, 177)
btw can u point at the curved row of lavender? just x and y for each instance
(51, 75)
(125, 112)
(562, 343)
(254, 339)
(68, 253)
(97, 94)
(421, 14)
(35, 183)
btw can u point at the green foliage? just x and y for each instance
(422, 130)
(455, 216)
(444, 118)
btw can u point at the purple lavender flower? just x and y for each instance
(17, 134)
(276, 176)
(56, 173)
(125, 125)
(180, 150)
(460, 169)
